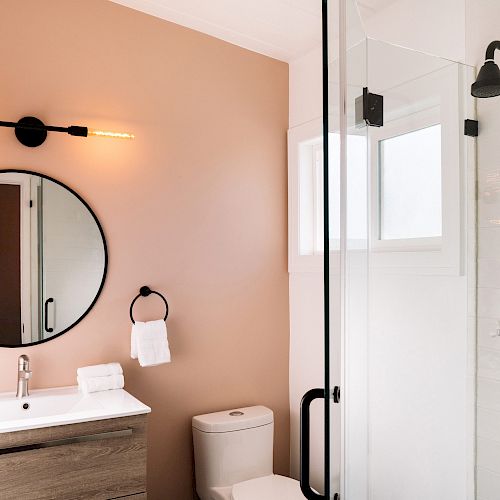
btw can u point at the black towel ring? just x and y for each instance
(145, 291)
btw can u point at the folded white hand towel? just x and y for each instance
(100, 370)
(97, 384)
(149, 343)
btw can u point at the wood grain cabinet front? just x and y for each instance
(101, 460)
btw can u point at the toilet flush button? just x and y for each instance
(236, 413)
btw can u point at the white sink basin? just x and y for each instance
(64, 405)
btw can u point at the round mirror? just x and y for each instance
(53, 258)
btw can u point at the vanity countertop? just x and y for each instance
(65, 405)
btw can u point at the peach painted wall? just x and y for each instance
(195, 206)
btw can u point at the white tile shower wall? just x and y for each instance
(487, 482)
(488, 405)
(483, 26)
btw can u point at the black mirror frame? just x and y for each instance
(105, 245)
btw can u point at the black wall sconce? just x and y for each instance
(32, 132)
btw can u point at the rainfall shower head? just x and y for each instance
(487, 83)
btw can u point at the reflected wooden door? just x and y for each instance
(10, 264)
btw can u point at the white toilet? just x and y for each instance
(233, 453)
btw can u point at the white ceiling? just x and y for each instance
(283, 29)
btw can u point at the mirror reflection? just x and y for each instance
(52, 258)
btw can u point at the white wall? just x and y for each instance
(483, 23)
(306, 97)
(306, 364)
(306, 290)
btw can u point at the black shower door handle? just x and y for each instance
(305, 443)
(46, 314)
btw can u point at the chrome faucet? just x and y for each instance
(23, 375)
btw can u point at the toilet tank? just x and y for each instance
(232, 446)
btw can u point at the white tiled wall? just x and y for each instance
(488, 403)
(483, 26)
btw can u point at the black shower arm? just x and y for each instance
(490, 51)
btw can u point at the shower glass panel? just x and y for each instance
(349, 336)
(401, 336)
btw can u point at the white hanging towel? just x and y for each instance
(97, 384)
(149, 343)
(100, 370)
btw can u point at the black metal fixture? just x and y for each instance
(369, 109)
(145, 291)
(46, 315)
(487, 83)
(32, 132)
(305, 440)
(305, 443)
(471, 128)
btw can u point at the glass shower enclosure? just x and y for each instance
(397, 190)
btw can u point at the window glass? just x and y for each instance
(410, 185)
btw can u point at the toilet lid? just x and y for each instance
(268, 488)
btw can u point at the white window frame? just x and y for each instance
(301, 143)
(398, 128)
(305, 194)
(36, 329)
(433, 255)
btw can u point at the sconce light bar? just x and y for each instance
(107, 133)
(32, 132)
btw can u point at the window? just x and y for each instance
(311, 194)
(404, 184)
(410, 204)
(417, 164)
(306, 194)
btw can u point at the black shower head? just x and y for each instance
(487, 83)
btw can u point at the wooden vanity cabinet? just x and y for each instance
(100, 460)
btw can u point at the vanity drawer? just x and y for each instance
(139, 496)
(94, 460)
